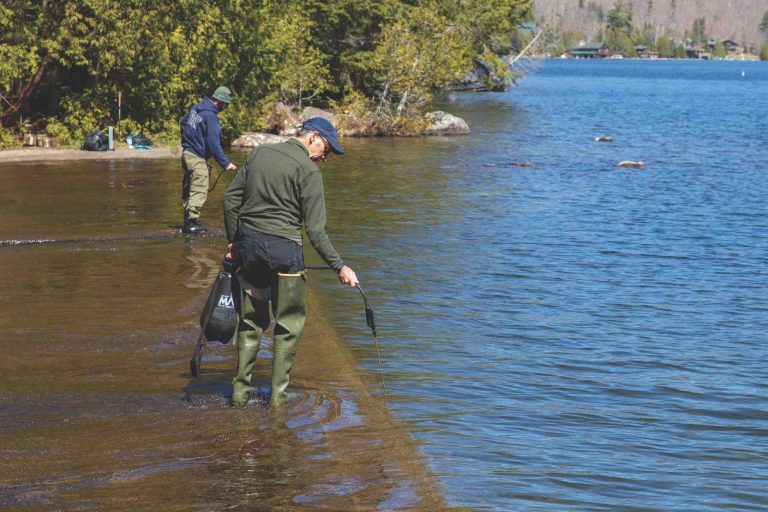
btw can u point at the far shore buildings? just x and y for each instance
(600, 50)
(643, 52)
(589, 51)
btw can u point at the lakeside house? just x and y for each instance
(589, 51)
(705, 51)
(601, 50)
(697, 52)
(643, 52)
(731, 47)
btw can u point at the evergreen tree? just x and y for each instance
(664, 46)
(699, 31)
(619, 32)
(620, 17)
(416, 57)
(719, 51)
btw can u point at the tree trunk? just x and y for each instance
(12, 114)
(401, 105)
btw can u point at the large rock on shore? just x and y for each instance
(253, 139)
(443, 123)
(285, 121)
(438, 123)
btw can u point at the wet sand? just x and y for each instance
(35, 154)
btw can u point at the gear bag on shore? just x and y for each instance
(96, 141)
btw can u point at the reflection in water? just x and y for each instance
(101, 298)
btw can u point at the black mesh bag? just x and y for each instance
(219, 316)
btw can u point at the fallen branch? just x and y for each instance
(13, 113)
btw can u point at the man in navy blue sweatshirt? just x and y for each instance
(201, 140)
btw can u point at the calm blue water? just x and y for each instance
(574, 335)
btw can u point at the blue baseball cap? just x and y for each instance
(324, 127)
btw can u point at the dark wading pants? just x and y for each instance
(277, 263)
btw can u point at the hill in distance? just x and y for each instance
(737, 20)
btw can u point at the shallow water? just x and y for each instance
(100, 298)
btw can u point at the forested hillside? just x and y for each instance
(72, 66)
(737, 20)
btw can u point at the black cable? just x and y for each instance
(217, 180)
(370, 321)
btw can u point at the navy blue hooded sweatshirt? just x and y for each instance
(201, 132)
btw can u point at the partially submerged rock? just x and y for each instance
(632, 163)
(443, 123)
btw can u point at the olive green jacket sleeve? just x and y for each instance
(232, 200)
(312, 196)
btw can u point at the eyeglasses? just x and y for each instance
(326, 145)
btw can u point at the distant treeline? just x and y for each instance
(618, 28)
(72, 66)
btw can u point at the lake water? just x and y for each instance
(556, 332)
(576, 335)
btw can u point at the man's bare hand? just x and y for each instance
(233, 252)
(347, 276)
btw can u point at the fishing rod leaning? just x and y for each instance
(216, 181)
(370, 320)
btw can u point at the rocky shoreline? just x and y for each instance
(286, 122)
(439, 123)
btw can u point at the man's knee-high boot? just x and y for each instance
(254, 320)
(290, 310)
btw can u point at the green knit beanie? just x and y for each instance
(223, 94)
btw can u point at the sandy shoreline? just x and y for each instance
(51, 154)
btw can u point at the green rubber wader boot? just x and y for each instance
(254, 320)
(290, 310)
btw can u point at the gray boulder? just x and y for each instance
(310, 112)
(291, 125)
(443, 123)
(253, 139)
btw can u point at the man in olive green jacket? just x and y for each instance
(279, 189)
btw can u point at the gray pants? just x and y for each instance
(194, 190)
